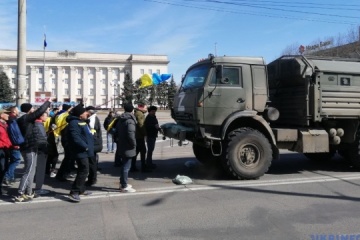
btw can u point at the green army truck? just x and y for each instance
(239, 112)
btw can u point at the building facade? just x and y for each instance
(66, 76)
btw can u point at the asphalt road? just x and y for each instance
(296, 199)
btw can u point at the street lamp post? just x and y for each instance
(114, 84)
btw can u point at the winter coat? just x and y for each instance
(4, 137)
(81, 141)
(125, 134)
(42, 137)
(140, 127)
(150, 122)
(26, 125)
(95, 128)
(107, 122)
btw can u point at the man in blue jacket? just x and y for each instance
(81, 143)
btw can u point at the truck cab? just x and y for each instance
(216, 88)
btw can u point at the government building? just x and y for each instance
(67, 76)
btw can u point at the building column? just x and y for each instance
(32, 84)
(73, 84)
(85, 86)
(97, 87)
(60, 85)
(109, 89)
(46, 80)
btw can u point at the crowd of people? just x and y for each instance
(32, 135)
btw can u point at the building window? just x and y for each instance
(92, 102)
(13, 70)
(92, 81)
(40, 81)
(40, 70)
(53, 81)
(66, 81)
(141, 71)
(66, 91)
(150, 71)
(158, 71)
(103, 91)
(80, 81)
(104, 101)
(79, 91)
(53, 91)
(13, 81)
(91, 91)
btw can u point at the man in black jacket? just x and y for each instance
(126, 145)
(29, 148)
(95, 128)
(152, 129)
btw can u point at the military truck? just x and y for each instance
(239, 112)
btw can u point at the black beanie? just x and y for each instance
(66, 107)
(78, 110)
(128, 107)
(25, 107)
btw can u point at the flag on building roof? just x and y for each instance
(45, 43)
(154, 79)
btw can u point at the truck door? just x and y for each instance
(227, 95)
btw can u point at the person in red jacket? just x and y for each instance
(5, 145)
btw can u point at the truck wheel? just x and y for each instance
(354, 153)
(204, 155)
(248, 154)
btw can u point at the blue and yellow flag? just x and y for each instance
(154, 79)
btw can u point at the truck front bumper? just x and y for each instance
(176, 131)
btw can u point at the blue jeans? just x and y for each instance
(125, 167)
(150, 141)
(111, 145)
(15, 159)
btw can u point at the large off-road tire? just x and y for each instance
(204, 155)
(248, 154)
(352, 153)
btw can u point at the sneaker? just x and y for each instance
(7, 182)
(42, 192)
(86, 193)
(74, 197)
(52, 174)
(24, 198)
(128, 189)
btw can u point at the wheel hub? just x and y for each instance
(249, 155)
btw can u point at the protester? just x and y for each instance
(81, 146)
(15, 155)
(140, 135)
(111, 145)
(95, 128)
(5, 145)
(29, 149)
(42, 155)
(67, 166)
(126, 145)
(53, 112)
(152, 129)
(53, 154)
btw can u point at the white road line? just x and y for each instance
(176, 188)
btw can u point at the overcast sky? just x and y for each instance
(185, 30)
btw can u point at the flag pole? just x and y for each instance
(43, 83)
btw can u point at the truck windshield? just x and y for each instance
(195, 77)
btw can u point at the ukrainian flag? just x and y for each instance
(154, 79)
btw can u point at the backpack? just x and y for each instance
(14, 132)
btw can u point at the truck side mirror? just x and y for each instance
(225, 80)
